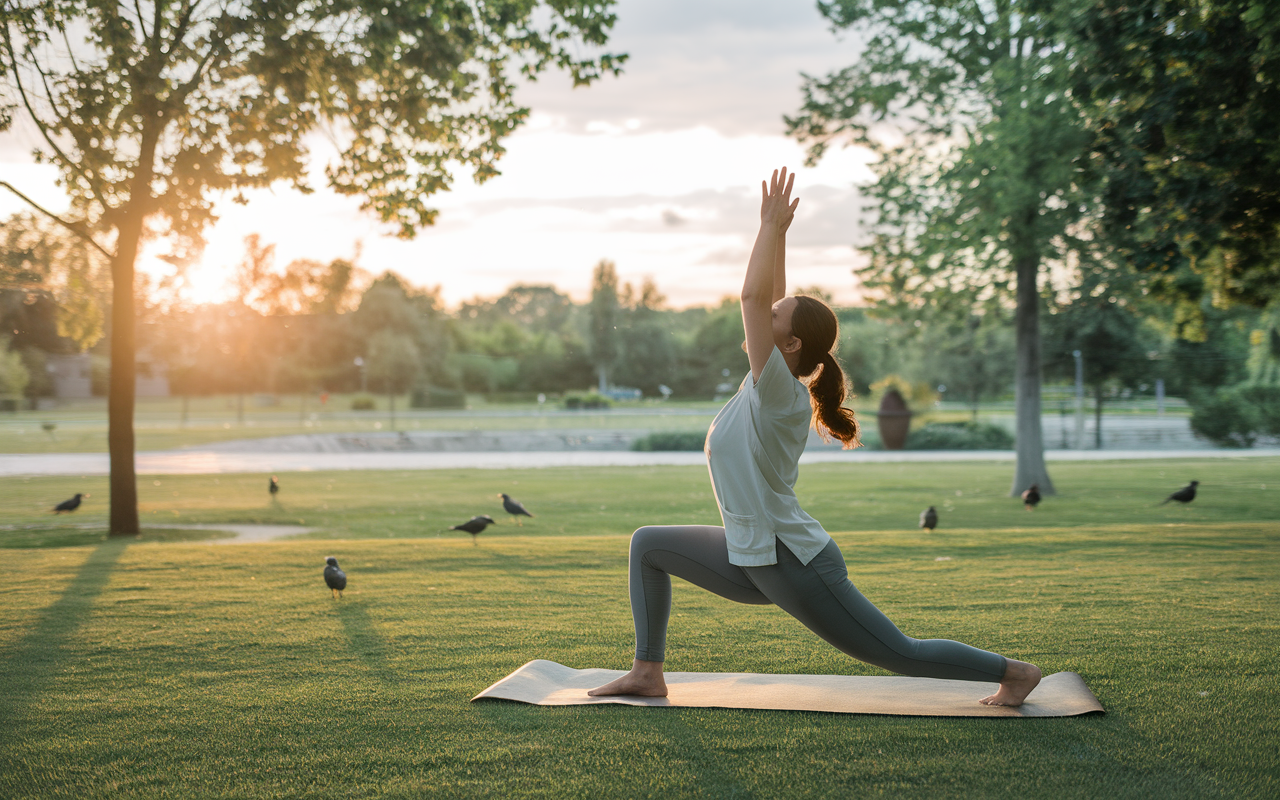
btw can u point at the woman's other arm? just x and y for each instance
(763, 276)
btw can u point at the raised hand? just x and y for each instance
(776, 206)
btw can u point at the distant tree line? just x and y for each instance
(301, 328)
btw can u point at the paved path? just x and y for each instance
(197, 462)
(239, 534)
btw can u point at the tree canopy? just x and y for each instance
(1183, 98)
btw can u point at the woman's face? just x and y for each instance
(782, 335)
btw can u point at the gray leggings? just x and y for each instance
(818, 594)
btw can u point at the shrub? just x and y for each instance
(362, 404)
(960, 436)
(574, 402)
(1265, 398)
(671, 440)
(436, 397)
(511, 397)
(1235, 416)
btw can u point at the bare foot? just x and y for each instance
(644, 679)
(1019, 679)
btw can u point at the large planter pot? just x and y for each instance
(894, 420)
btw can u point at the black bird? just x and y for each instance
(274, 488)
(334, 577)
(474, 525)
(514, 508)
(68, 505)
(929, 518)
(1184, 495)
(1031, 497)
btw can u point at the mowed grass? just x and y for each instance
(163, 667)
(81, 426)
(844, 497)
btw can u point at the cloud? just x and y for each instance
(732, 66)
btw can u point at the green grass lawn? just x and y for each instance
(844, 497)
(159, 424)
(81, 426)
(165, 667)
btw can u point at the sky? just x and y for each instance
(657, 170)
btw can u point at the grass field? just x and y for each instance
(164, 667)
(160, 422)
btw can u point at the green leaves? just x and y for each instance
(1184, 98)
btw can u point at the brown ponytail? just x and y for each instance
(817, 328)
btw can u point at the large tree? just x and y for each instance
(151, 111)
(978, 149)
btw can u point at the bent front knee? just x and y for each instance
(644, 538)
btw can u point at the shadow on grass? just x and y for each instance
(721, 750)
(364, 641)
(36, 660)
(34, 537)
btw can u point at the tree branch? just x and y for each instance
(180, 95)
(142, 23)
(71, 226)
(70, 51)
(44, 131)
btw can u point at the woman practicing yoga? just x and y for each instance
(769, 550)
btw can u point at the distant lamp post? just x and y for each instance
(1079, 399)
(359, 362)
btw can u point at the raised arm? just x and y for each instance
(765, 282)
(780, 260)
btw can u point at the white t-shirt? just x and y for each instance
(753, 452)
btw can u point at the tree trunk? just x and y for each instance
(124, 367)
(123, 383)
(1030, 437)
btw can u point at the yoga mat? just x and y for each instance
(546, 683)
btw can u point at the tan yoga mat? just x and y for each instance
(546, 683)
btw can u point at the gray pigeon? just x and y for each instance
(334, 577)
(929, 518)
(474, 525)
(1184, 495)
(514, 508)
(68, 505)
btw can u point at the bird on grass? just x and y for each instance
(1031, 497)
(274, 487)
(514, 508)
(334, 577)
(1184, 495)
(929, 518)
(474, 525)
(69, 505)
